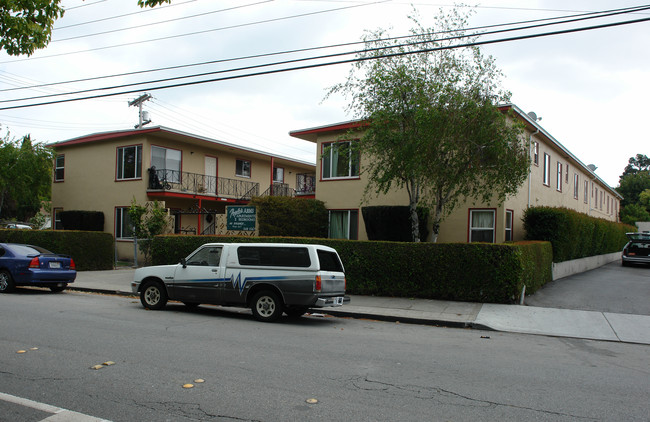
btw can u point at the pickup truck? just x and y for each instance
(269, 278)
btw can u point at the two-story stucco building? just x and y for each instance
(557, 178)
(194, 177)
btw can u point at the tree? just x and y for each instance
(25, 177)
(433, 125)
(631, 185)
(633, 213)
(148, 221)
(26, 25)
(636, 164)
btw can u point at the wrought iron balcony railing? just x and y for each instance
(184, 182)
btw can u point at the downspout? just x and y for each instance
(530, 168)
(272, 165)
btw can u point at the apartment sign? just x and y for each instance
(241, 218)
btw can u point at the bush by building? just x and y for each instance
(287, 216)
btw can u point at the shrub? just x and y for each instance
(90, 250)
(448, 271)
(82, 220)
(286, 216)
(393, 223)
(574, 235)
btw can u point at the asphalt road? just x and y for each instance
(356, 370)
(610, 288)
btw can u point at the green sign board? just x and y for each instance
(241, 218)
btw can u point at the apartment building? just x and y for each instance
(557, 178)
(192, 176)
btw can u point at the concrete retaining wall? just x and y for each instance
(575, 266)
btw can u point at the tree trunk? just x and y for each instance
(415, 221)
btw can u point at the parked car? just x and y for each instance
(28, 265)
(269, 278)
(18, 226)
(637, 250)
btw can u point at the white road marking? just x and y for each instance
(58, 414)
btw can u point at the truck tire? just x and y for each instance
(153, 295)
(266, 306)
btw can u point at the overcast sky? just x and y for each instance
(590, 88)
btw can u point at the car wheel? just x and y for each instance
(6, 282)
(57, 289)
(153, 295)
(295, 311)
(266, 306)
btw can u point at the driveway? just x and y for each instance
(610, 288)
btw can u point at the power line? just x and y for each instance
(329, 56)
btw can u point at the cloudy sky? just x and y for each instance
(591, 88)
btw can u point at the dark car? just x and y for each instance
(637, 249)
(27, 265)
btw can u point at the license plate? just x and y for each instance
(338, 301)
(55, 265)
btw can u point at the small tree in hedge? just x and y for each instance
(295, 217)
(148, 221)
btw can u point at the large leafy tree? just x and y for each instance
(433, 125)
(26, 25)
(25, 177)
(636, 164)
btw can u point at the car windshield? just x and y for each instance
(28, 250)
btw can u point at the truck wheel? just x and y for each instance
(153, 296)
(266, 306)
(6, 282)
(295, 311)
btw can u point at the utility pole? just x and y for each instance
(143, 115)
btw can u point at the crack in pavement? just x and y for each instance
(435, 393)
(188, 410)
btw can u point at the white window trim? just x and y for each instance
(558, 186)
(138, 159)
(547, 170)
(492, 229)
(330, 152)
(250, 168)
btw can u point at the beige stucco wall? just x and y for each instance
(349, 194)
(90, 177)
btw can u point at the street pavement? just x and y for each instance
(594, 325)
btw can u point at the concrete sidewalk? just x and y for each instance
(509, 318)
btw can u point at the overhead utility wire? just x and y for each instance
(197, 32)
(328, 56)
(161, 22)
(588, 15)
(313, 66)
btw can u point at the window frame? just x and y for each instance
(250, 168)
(58, 179)
(280, 170)
(56, 219)
(546, 180)
(510, 229)
(172, 177)
(576, 186)
(471, 229)
(138, 163)
(327, 156)
(558, 186)
(353, 224)
(536, 153)
(120, 213)
(586, 191)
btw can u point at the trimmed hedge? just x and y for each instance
(474, 272)
(90, 250)
(574, 235)
(287, 216)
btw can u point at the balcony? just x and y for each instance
(165, 180)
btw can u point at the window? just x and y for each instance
(329, 261)
(274, 256)
(123, 225)
(576, 186)
(243, 168)
(596, 198)
(566, 174)
(57, 219)
(344, 224)
(278, 175)
(481, 226)
(339, 161)
(536, 153)
(608, 205)
(586, 191)
(167, 163)
(59, 168)
(547, 169)
(129, 162)
(509, 214)
(305, 183)
(559, 177)
(209, 256)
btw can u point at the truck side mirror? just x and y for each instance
(183, 262)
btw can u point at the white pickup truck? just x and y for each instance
(270, 278)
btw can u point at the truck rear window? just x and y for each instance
(329, 261)
(270, 256)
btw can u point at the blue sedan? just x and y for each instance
(27, 265)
